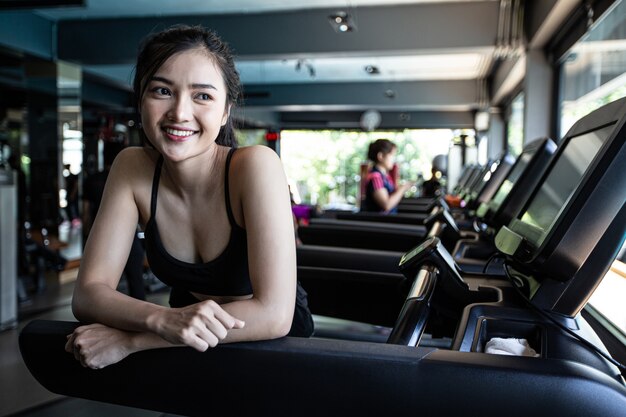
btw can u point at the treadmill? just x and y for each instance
(429, 203)
(325, 270)
(508, 200)
(400, 232)
(480, 191)
(557, 250)
(469, 173)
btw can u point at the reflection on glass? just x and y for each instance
(593, 72)
(563, 179)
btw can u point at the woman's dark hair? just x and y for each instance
(158, 47)
(380, 145)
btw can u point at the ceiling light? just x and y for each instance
(341, 22)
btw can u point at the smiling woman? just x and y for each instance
(233, 272)
(185, 103)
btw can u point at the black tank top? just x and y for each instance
(225, 275)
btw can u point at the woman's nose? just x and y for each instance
(181, 109)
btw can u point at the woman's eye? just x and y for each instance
(162, 91)
(203, 96)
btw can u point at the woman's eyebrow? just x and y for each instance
(194, 85)
(201, 86)
(161, 79)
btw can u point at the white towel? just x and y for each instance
(510, 346)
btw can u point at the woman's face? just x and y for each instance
(386, 160)
(184, 105)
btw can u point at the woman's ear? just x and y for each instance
(380, 156)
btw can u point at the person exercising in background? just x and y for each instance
(432, 187)
(381, 193)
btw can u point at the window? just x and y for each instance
(249, 137)
(323, 166)
(515, 126)
(593, 72)
(608, 298)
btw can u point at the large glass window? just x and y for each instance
(593, 72)
(324, 166)
(515, 126)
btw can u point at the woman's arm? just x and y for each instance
(261, 186)
(388, 201)
(96, 345)
(107, 248)
(96, 299)
(126, 325)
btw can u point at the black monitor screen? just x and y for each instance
(511, 179)
(561, 182)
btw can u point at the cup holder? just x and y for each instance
(489, 328)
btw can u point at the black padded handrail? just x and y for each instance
(370, 297)
(348, 258)
(368, 235)
(402, 218)
(313, 377)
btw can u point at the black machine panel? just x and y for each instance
(559, 186)
(507, 185)
(498, 171)
(533, 162)
(527, 169)
(565, 238)
(313, 377)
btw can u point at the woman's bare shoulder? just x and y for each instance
(135, 160)
(258, 169)
(136, 157)
(255, 159)
(134, 167)
(132, 175)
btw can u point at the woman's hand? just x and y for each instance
(406, 186)
(200, 325)
(96, 345)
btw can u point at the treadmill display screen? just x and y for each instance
(561, 182)
(511, 179)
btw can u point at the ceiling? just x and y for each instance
(96, 9)
(402, 56)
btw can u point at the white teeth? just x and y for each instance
(175, 132)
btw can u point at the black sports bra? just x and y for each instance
(225, 275)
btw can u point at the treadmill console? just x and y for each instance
(431, 252)
(568, 233)
(442, 215)
(525, 234)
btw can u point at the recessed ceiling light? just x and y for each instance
(341, 22)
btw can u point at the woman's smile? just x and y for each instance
(178, 134)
